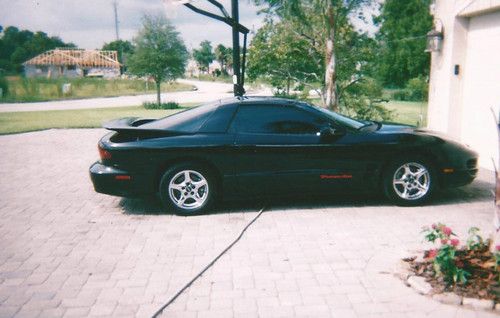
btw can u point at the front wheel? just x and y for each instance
(409, 182)
(187, 189)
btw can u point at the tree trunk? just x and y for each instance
(288, 86)
(158, 92)
(331, 101)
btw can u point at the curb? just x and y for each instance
(421, 286)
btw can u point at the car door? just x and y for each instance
(279, 148)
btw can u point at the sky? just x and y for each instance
(90, 23)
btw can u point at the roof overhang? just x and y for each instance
(479, 7)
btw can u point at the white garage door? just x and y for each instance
(481, 86)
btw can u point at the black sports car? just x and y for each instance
(267, 146)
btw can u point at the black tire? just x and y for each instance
(173, 188)
(409, 181)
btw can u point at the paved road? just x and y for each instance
(66, 251)
(206, 91)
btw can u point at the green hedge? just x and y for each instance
(167, 105)
(4, 85)
(417, 89)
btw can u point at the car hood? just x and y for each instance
(401, 128)
(437, 134)
(393, 128)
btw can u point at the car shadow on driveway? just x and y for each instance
(478, 191)
(153, 206)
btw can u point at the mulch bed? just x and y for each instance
(483, 283)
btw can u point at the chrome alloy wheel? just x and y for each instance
(188, 189)
(411, 181)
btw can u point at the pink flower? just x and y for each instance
(432, 253)
(444, 241)
(447, 231)
(455, 242)
(497, 248)
(434, 226)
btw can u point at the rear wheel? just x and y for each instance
(409, 182)
(187, 189)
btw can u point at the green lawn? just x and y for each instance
(411, 113)
(210, 78)
(42, 89)
(17, 122)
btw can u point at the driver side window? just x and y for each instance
(276, 119)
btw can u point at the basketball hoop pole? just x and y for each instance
(233, 21)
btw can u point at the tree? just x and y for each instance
(159, 52)
(326, 24)
(223, 55)
(18, 46)
(280, 56)
(124, 49)
(204, 55)
(403, 26)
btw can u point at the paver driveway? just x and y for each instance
(68, 251)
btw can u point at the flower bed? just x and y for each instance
(469, 270)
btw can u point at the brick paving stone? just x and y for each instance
(267, 302)
(102, 309)
(198, 303)
(343, 313)
(359, 298)
(221, 303)
(68, 251)
(338, 302)
(312, 311)
(17, 298)
(125, 310)
(218, 313)
(28, 313)
(53, 313)
(290, 298)
(244, 306)
(276, 312)
(8, 311)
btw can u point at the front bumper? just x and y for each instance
(114, 181)
(459, 177)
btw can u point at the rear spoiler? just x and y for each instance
(127, 123)
(132, 126)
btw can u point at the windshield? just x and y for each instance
(189, 120)
(352, 123)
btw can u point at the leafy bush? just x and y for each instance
(363, 100)
(283, 94)
(417, 89)
(445, 263)
(4, 85)
(401, 94)
(154, 105)
(470, 270)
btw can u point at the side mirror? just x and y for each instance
(329, 133)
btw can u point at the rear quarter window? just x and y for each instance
(220, 119)
(190, 120)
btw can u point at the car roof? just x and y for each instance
(257, 99)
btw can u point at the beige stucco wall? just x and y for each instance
(460, 105)
(481, 85)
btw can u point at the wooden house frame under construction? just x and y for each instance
(73, 63)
